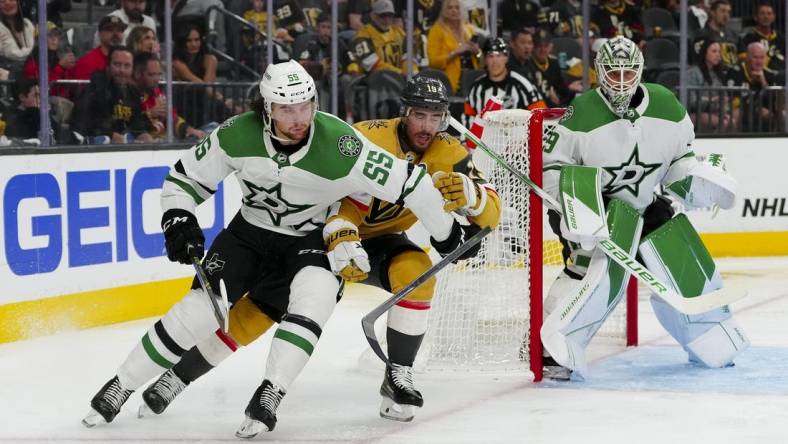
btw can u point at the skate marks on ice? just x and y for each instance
(661, 368)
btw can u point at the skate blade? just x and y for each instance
(250, 428)
(560, 374)
(144, 411)
(396, 412)
(93, 419)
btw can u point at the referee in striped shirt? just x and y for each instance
(517, 91)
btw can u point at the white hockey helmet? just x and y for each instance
(619, 67)
(287, 83)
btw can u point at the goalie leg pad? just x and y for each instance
(713, 338)
(675, 253)
(313, 295)
(582, 306)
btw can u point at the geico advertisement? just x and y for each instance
(80, 222)
(758, 166)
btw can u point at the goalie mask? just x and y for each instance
(287, 83)
(619, 66)
(428, 94)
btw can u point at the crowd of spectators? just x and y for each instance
(110, 93)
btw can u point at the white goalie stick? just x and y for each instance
(221, 306)
(368, 321)
(692, 305)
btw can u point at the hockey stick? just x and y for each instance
(368, 321)
(693, 305)
(221, 307)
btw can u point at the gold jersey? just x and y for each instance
(445, 154)
(374, 49)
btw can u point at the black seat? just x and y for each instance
(669, 79)
(659, 18)
(661, 54)
(467, 77)
(567, 45)
(384, 89)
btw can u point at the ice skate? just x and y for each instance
(158, 396)
(107, 403)
(400, 397)
(261, 411)
(554, 371)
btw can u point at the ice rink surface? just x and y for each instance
(648, 394)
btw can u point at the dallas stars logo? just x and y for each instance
(214, 264)
(271, 201)
(629, 174)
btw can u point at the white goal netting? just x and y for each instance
(481, 312)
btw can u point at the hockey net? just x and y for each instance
(487, 311)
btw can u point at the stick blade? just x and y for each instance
(368, 325)
(225, 306)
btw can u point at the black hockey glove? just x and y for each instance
(183, 236)
(657, 213)
(459, 234)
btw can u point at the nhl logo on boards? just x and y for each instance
(349, 145)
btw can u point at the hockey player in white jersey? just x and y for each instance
(636, 137)
(292, 163)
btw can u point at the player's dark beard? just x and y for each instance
(402, 133)
(288, 149)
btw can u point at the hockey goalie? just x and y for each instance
(605, 163)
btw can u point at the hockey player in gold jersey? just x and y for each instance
(392, 261)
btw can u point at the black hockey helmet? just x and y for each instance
(495, 45)
(426, 93)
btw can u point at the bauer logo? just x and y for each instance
(56, 218)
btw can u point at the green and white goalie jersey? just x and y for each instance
(647, 147)
(289, 194)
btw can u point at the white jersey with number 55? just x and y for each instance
(291, 194)
(647, 147)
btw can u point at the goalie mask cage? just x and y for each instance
(486, 313)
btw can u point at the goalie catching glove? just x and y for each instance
(460, 192)
(183, 236)
(345, 253)
(707, 184)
